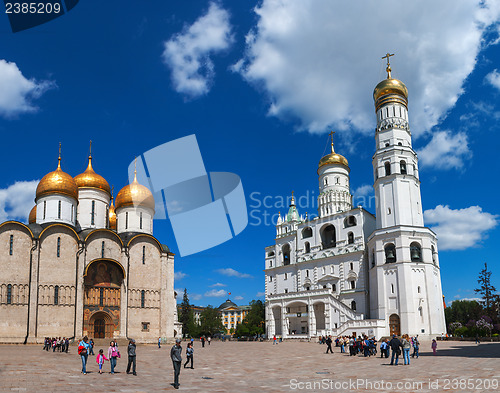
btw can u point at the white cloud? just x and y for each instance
(16, 92)
(188, 53)
(261, 294)
(179, 275)
(493, 78)
(218, 284)
(320, 60)
(461, 228)
(195, 296)
(216, 293)
(17, 200)
(445, 151)
(238, 297)
(233, 273)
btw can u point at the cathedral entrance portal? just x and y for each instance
(395, 325)
(101, 311)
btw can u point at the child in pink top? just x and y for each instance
(100, 360)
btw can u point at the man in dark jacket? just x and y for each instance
(176, 356)
(131, 357)
(396, 346)
(329, 344)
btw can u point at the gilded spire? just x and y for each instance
(331, 136)
(135, 170)
(388, 68)
(59, 159)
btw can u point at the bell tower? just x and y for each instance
(404, 274)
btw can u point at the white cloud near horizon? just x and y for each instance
(445, 151)
(179, 275)
(17, 93)
(230, 272)
(17, 200)
(187, 54)
(319, 60)
(217, 284)
(459, 229)
(216, 293)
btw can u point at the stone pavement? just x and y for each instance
(256, 367)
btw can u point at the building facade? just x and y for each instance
(85, 267)
(347, 271)
(232, 315)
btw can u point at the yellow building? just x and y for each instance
(232, 315)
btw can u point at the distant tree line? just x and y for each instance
(472, 318)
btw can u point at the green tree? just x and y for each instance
(186, 316)
(487, 292)
(211, 321)
(463, 311)
(254, 322)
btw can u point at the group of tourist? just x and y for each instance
(85, 349)
(56, 343)
(368, 346)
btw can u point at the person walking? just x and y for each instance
(113, 354)
(100, 359)
(406, 349)
(159, 342)
(209, 339)
(434, 346)
(176, 356)
(203, 341)
(91, 347)
(275, 340)
(189, 355)
(416, 346)
(84, 354)
(395, 345)
(329, 344)
(131, 357)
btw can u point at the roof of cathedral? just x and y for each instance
(135, 194)
(90, 179)
(57, 182)
(32, 216)
(112, 215)
(293, 214)
(390, 90)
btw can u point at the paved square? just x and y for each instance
(253, 367)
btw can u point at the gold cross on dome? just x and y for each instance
(388, 69)
(331, 136)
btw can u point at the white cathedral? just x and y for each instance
(346, 271)
(80, 267)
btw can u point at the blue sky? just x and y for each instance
(261, 84)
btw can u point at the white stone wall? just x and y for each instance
(101, 204)
(47, 209)
(128, 219)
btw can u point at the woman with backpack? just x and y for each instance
(406, 349)
(83, 351)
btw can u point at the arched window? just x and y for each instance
(390, 253)
(373, 258)
(11, 245)
(353, 284)
(387, 168)
(350, 238)
(126, 220)
(392, 288)
(433, 250)
(58, 253)
(350, 222)
(286, 254)
(44, 208)
(328, 237)
(400, 144)
(334, 288)
(307, 273)
(402, 165)
(56, 295)
(326, 181)
(140, 220)
(418, 289)
(143, 255)
(92, 214)
(353, 305)
(59, 210)
(270, 254)
(307, 232)
(337, 180)
(307, 247)
(9, 294)
(143, 298)
(351, 266)
(415, 252)
(102, 249)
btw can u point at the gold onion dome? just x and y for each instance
(57, 182)
(32, 216)
(390, 89)
(90, 179)
(333, 158)
(112, 215)
(135, 194)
